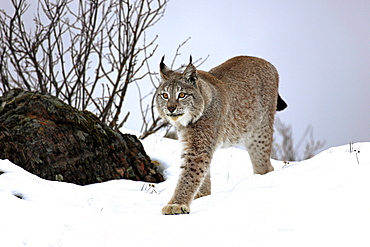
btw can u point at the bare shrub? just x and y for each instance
(86, 53)
(286, 150)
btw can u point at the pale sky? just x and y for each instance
(320, 48)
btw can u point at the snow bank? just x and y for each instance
(318, 202)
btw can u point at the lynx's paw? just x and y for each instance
(175, 209)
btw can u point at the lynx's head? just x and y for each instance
(178, 97)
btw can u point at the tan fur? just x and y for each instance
(232, 104)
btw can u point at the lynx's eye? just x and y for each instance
(165, 95)
(182, 95)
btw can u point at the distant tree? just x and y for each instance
(86, 53)
(286, 150)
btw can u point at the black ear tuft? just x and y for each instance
(161, 65)
(191, 60)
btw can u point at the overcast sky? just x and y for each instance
(320, 48)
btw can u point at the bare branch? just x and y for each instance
(178, 53)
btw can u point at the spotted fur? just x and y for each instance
(232, 104)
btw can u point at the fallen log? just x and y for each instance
(55, 141)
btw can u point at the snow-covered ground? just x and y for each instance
(323, 201)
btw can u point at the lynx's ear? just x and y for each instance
(164, 70)
(190, 73)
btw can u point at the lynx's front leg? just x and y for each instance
(195, 172)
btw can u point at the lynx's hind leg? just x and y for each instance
(259, 148)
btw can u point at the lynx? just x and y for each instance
(232, 104)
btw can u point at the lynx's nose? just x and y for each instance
(171, 108)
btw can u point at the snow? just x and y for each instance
(322, 201)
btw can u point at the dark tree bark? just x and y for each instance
(53, 140)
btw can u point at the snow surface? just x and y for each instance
(318, 202)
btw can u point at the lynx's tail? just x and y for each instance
(281, 104)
